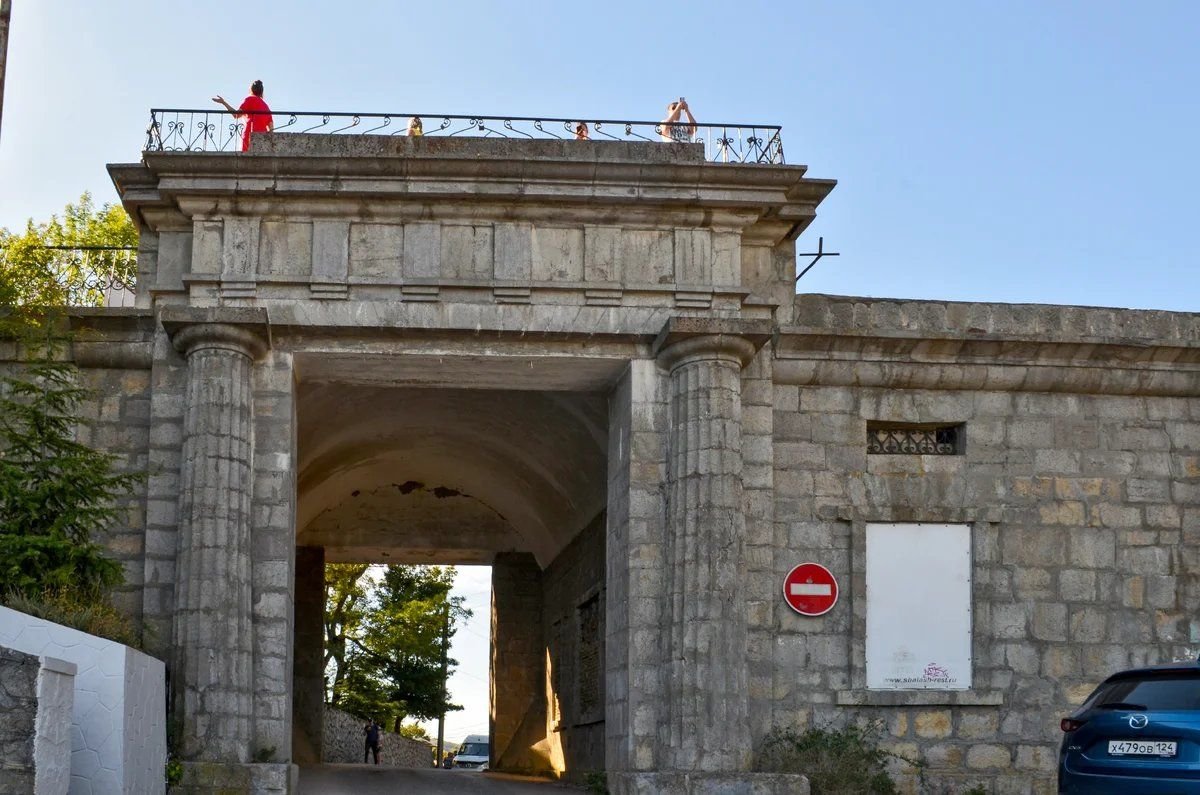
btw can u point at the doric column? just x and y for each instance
(212, 672)
(707, 726)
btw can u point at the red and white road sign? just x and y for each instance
(810, 589)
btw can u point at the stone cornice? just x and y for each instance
(117, 338)
(594, 179)
(912, 360)
(241, 330)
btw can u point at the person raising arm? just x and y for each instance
(254, 110)
(673, 130)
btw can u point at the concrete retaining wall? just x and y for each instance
(118, 730)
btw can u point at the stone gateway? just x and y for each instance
(583, 362)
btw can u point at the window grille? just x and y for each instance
(914, 439)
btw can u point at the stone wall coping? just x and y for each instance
(59, 666)
(797, 341)
(291, 144)
(895, 317)
(919, 698)
(120, 338)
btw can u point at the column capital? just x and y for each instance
(685, 339)
(242, 330)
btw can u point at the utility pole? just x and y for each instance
(445, 659)
(5, 15)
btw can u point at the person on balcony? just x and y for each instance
(581, 131)
(254, 110)
(674, 131)
(415, 128)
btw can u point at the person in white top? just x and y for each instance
(675, 131)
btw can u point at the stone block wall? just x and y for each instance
(345, 743)
(117, 421)
(18, 704)
(573, 627)
(273, 552)
(518, 709)
(1083, 509)
(118, 735)
(36, 699)
(634, 606)
(168, 380)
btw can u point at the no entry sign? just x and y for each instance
(810, 589)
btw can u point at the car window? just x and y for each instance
(1152, 693)
(473, 749)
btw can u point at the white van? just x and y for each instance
(473, 753)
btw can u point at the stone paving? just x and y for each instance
(367, 780)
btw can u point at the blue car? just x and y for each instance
(1138, 733)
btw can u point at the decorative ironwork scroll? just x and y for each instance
(919, 440)
(205, 130)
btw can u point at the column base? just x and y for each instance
(707, 784)
(231, 778)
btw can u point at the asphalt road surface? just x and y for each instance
(371, 780)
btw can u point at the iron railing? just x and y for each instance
(183, 130)
(90, 275)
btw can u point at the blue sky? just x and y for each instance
(1015, 151)
(988, 151)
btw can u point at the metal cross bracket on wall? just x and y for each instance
(820, 252)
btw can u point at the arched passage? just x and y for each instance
(511, 478)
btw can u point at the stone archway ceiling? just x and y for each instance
(448, 475)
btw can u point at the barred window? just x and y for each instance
(894, 438)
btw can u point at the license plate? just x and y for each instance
(1141, 748)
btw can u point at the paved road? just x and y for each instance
(371, 780)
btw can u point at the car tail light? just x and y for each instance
(1070, 724)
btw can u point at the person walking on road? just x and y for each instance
(371, 730)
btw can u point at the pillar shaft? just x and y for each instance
(707, 724)
(518, 666)
(213, 670)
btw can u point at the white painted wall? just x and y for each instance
(119, 726)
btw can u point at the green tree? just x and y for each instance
(345, 609)
(384, 641)
(414, 610)
(69, 260)
(55, 493)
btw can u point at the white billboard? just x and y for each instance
(918, 607)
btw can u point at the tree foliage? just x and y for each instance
(66, 261)
(55, 493)
(384, 640)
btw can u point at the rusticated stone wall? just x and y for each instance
(18, 704)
